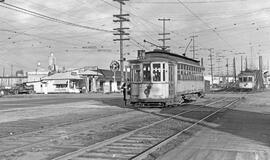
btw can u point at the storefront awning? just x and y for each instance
(60, 82)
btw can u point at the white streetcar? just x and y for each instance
(164, 78)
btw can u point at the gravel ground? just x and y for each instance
(77, 136)
(251, 104)
(28, 119)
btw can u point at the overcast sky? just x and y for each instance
(228, 26)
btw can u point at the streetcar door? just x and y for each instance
(127, 79)
(171, 81)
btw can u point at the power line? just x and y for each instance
(39, 15)
(35, 36)
(195, 15)
(213, 1)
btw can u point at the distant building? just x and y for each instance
(19, 73)
(219, 80)
(34, 78)
(67, 82)
(11, 81)
(105, 81)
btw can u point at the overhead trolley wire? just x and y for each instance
(39, 15)
(195, 15)
(208, 1)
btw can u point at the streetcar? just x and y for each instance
(250, 80)
(164, 78)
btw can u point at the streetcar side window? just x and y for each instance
(136, 73)
(164, 72)
(156, 72)
(244, 79)
(179, 67)
(240, 79)
(146, 72)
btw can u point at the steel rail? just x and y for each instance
(119, 137)
(165, 141)
(49, 138)
(60, 125)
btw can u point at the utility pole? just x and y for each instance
(211, 61)
(251, 56)
(227, 65)
(164, 39)
(246, 63)
(3, 76)
(11, 70)
(4, 71)
(193, 46)
(234, 69)
(241, 63)
(268, 64)
(121, 32)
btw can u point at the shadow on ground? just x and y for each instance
(251, 125)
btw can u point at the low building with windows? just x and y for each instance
(34, 78)
(106, 80)
(67, 82)
(75, 81)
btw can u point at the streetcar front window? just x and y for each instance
(250, 79)
(146, 72)
(136, 73)
(156, 72)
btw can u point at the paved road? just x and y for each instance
(241, 135)
(36, 101)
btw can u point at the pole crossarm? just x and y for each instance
(164, 39)
(164, 34)
(123, 39)
(121, 33)
(121, 1)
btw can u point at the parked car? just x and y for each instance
(23, 89)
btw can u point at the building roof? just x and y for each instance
(62, 76)
(38, 73)
(108, 75)
(90, 73)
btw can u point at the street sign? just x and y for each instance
(114, 66)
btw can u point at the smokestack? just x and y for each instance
(246, 63)
(260, 63)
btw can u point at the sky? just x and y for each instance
(233, 28)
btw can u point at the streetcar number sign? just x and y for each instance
(114, 66)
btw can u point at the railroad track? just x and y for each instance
(138, 143)
(18, 143)
(72, 122)
(40, 138)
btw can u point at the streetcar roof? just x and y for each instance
(157, 55)
(249, 73)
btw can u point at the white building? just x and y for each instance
(34, 78)
(67, 82)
